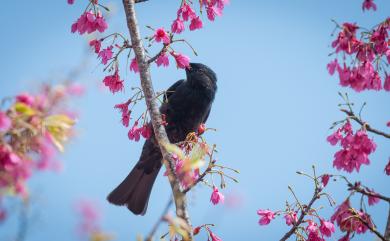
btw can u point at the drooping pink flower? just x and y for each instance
(5, 121)
(216, 196)
(113, 82)
(161, 35)
(106, 54)
(347, 221)
(177, 26)
(371, 199)
(212, 12)
(124, 109)
(214, 237)
(386, 85)
(134, 66)
(162, 60)
(387, 168)
(196, 23)
(326, 228)
(388, 124)
(186, 12)
(368, 4)
(97, 44)
(266, 216)
(335, 137)
(332, 66)
(134, 132)
(25, 98)
(346, 40)
(100, 23)
(182, 61)
(325, 179)
(291, 218)
(146, 131)
(70, 2)
(355, 149)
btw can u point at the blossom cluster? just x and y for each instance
(356, 147)
(368, 54)
(32, 129)
(351, 221)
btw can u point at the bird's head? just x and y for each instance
(201, 74)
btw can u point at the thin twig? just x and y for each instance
(304, 212)
(352, 116)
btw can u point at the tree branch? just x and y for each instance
(304, 211)
(352, 116)
(153, 108)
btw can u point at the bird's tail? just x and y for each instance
(135, 190)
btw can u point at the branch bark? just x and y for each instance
(302, 216)
(352, 116)
(153, 108)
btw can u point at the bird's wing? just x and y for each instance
(172, 89)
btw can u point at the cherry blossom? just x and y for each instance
(161, 35)
(182, 61)
(368, 4)
(216, 196)
(266, 216)
(162, 60)
(113, 82)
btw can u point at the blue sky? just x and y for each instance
(273, 111)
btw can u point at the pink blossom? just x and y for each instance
(106, 54)
(371, 199)
(96, 44)
(347, 221)
(75, 89)
(186, 12)
(335, 137)
(216, 196)
(182, 61)
(161, 35)
(25, 98)
(214, 237)
(124, 109)
(5, 121)
(386, 85)
(89, 217)
(312, 227)
(162, 60)
(266, 216)
(212, 12)
(88, 22)
(326, 228)
(291, 218)
(346, 40)
(100, 23)
(387, 168)
(113, 82)
(196, 23)
(332, 66)
(355, 149)
(177, 26)
(325, 179)
(134, 132)
(368, 4)
(146, 131)
(388, 124)
(70, 2)
(134, 66)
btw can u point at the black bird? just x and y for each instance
(187, 104)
